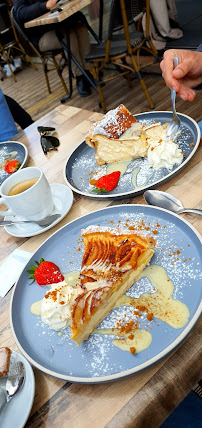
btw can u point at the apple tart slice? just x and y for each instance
(113, 260)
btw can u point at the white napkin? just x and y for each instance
(11, 269)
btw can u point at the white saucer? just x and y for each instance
(16, 412)
(63, 200)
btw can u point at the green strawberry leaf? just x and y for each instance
(99, 191)
(33, 268)
(18, 166)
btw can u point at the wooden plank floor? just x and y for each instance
(31, 92)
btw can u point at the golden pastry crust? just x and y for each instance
(5, 355)
(113, 124)
(113, 260)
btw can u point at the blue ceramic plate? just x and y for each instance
(11, 150)
(97, 359)
(81, 166)
(16, 412)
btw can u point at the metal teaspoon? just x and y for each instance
(167, 201)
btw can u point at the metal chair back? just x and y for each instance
(7, 34)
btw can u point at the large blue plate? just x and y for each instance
(21, 154)
(81, 163)
(97, 360)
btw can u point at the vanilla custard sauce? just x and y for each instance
(161, 303)
(36, 308)
(118, 166)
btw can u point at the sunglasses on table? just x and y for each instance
(48, 141)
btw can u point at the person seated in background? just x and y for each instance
(20, 116)
(45, 38)
(187, 75)
(7, 125)
(11, 112)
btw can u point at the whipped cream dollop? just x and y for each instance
(162, 153)
(57, 304)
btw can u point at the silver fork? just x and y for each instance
(173, 127)
(15, 380)
(45, 222)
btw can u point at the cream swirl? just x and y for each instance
(56, 306)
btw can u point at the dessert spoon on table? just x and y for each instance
(173, 127)
(167, 201)
(44, 222)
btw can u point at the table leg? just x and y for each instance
(70, 57)
(66, 48)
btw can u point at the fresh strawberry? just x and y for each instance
(45, 273)
(12, 166)
(108, 182)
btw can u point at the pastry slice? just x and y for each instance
(113, 260)
(117, 137)
(5, 356)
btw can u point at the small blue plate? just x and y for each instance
(97, 360)
(81, 166)
(14, 151)
(16, 412)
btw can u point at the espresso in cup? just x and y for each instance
(22, 186)
(27, 194)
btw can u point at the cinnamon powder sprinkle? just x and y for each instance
(93, 182)
(150, 317)
(141, 308)
(131, 336)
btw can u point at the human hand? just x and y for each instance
(186, 76)
(51, 3)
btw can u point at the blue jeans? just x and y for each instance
(7, 125)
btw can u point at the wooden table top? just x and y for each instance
(68, 9)
(141, 400)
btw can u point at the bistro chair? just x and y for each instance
(45, 57)
(122, 48)
(10, 45)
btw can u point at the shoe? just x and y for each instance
(82, 87)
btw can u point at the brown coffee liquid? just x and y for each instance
(22, 186)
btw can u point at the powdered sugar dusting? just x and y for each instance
(176, 250)
(114, 123)
(84, 168)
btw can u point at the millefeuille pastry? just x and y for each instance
(117, 137)
(113, 260)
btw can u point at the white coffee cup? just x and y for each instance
(35, 202)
